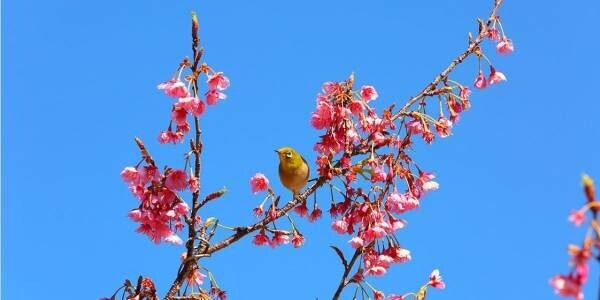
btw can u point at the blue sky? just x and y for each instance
(78, 83)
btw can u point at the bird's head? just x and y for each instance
(288, 155)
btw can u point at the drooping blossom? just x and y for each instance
(174, 88)
(297, 239)
(177, 180)
(174, 239)
(279, 238)
(480, 81)
(464, 95)
(493, 34)
(315, 214)
(219, 293)
(356, 242)
(217, 81)
(259, 183)
(194, 184)
(260, 239)
(495, 76)
(505, 46)
(443, 126)
(195, 278)
(368, 93)
(567, 286)
(577, 217)
(212, 96)
(258, 211)
(170, 136)
(415, 126)
(193, 105)
(435, 280)
(301, 209)
(130, 174)
(340, 226)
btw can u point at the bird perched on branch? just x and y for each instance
(293, 169)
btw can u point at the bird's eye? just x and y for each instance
(288, 154)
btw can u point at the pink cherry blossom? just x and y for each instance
(495, 76)
(356, 242)
(174, 239)
(135, 214)
(297, 240)
(179, 115)
(400, 255)
(464, 95)
(130, 174)
(376, 271)
(279, 238)
(173, 88)
(567, 286)
(505, 46)
(194, 184)
(394, 297)
(493, 34)
(177, 180)
(258, 211)
(181, 208)
(379, 175)
(480, 81)
(356, 107)
(322, 117)
(415, 126)
(193, 105)
(301, 209)
(218, 81)
(340, 226)
(212, 96)
(435, 280)
(260, 239)
(315, 214)
(259, 183)
(443, 126)
(368, 93)
(577, 217)
(196, 278)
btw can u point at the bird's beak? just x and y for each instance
(276, 151)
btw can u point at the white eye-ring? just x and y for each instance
(288, 154)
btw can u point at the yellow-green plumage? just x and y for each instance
(293, 169)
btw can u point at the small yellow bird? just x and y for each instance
(293, 169)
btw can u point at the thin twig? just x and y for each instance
(344, 280)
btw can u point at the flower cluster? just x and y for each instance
(351, 125)
(161, 211)
(571, 285)
(189, 102)
(504, 46)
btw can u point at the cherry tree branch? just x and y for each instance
(344, 280)
(427, 91)
(473, 47)
(196, 148)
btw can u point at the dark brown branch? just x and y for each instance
(145, 154)
(344, 280)
(196, 148)
(243, 231)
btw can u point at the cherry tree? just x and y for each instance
(363, 160)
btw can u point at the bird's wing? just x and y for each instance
(307, 166)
